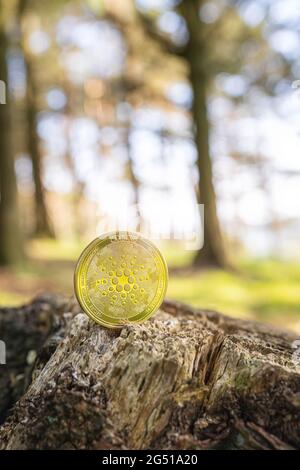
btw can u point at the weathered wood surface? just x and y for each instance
(186, 379)
(25, 330)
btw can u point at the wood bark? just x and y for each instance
(186, 379)
(25, 331)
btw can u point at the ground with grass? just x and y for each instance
(266, 290)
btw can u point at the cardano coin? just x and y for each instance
(120, 278)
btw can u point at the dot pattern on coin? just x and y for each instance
(120, 278)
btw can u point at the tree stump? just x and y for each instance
(24, 331)
(185, 379)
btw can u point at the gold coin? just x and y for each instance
(120, 278)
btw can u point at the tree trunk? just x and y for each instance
(131, 170)
(186, 379)
(213, 252)
(136, 185)
(10, 237)
(78, 185)
(42, 222)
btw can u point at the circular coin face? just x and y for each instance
(120, 278)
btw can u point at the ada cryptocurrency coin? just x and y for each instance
(120, 278)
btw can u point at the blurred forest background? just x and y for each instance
(115, 102)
